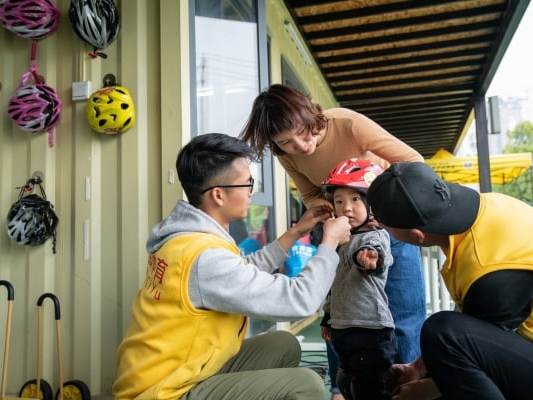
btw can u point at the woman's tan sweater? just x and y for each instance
(348, 135)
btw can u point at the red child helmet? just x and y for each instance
(354, 173)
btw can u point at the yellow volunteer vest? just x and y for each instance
(499, 239)
(170, 345)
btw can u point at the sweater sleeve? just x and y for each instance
(378, 241)
(269, 258)
(372, 137)
(222, 281)
(311, 194)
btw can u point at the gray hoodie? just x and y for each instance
(357, 299)
(223, 281)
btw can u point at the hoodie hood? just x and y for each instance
(184, 219)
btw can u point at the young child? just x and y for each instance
(357, 313)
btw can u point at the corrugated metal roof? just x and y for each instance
(414, 67)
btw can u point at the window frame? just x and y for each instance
(266, 196)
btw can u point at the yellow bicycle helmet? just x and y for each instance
(110, 110)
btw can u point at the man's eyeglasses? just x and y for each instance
(249, 185)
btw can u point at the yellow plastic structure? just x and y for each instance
(504, 168)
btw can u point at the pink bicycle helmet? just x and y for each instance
(35, 108)
(30, 19)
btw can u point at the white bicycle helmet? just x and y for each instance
(96, 22)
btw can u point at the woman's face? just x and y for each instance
(297, 141)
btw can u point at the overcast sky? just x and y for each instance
(514, 77)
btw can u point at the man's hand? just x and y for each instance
(368, 259)
(336, 231)
(325, 332)
(310, 218)
(422, 389)
(399, 374)
(308, 221)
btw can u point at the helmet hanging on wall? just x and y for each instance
(35, 107)
(111, 110)
(30, 19)
(96, 22)
(31, 220)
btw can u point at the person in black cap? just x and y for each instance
(486, 350)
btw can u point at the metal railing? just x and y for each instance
(437, 296)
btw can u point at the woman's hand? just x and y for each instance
(422, 389)
(373, 223)
(320, 202)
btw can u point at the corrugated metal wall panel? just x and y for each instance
(108, 190)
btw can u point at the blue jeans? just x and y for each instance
(333, 365)
(407, 298)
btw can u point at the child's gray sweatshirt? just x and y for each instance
(358, 299)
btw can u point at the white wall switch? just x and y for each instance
(81, 90)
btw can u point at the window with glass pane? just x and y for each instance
(227, 80)
(227, 72)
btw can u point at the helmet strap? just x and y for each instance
(367, 219)
(33, 64)
(33, 73)
(51, 137)
(29, 186)
(96, 54)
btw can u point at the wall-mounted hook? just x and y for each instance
(109, 80)
(37, 177)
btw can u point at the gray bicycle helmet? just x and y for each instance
(96, 22)
(31, 220)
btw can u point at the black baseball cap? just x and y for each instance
(411, 195)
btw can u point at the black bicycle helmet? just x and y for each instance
(31, 220)
(96, 22)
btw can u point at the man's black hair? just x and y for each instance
(205, 157)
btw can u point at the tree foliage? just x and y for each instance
(520, 138)
(520, 141)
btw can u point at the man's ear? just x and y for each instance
(217, 196)
(418, 235)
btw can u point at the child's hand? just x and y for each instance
(368, 259)
(325, 332)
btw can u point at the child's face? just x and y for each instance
(348, 202)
